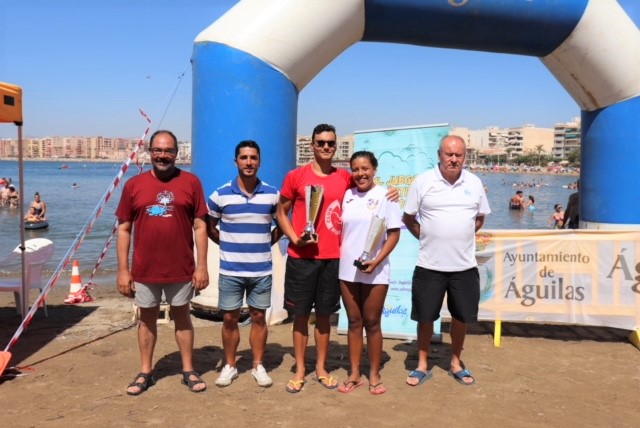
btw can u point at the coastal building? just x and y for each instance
(86, 148)
(474, 140)
(8, 147)
(566, 138)
(184, 151)
(490, 141)
(529, 139)
(507, 142)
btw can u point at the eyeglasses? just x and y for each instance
(156, 151)
(322, 143)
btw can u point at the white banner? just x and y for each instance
(588, 277)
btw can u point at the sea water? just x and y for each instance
(70, 209)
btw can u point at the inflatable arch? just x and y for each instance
(250, 65)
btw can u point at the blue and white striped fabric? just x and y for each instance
(245, 228)
(248, 72)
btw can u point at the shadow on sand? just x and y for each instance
(42, 330)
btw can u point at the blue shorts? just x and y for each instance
(232, 290)
(150, 295)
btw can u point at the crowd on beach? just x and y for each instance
(341, 227)
(551, 169)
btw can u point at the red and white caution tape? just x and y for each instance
(82, 295)
(86, 229)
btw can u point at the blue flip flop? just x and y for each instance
(460, 375)
(421, 376)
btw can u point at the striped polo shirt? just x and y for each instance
(245, 228)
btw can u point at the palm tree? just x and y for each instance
(539, 149)
(574, 156)
(509, 150)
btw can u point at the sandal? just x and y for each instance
(327, 382)
(377, 389)
(294, 386)
(186, 380)
(460, 375)
(148, 382)
(350, 385)
(420, 375)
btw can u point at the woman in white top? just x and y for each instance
(364, 288)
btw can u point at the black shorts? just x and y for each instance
(310, 283)
(427, 294)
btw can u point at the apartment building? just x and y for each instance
(8, 147)
(70, 148)
(527, 139)
(480, 142)
(566, 138)
(510, 142)
(490, 141)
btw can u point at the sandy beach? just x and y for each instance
(76, 363)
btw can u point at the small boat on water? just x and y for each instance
(64, 167)
(30, 225)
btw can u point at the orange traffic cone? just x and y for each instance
(5, 357)
(77, 293)
(76, 281)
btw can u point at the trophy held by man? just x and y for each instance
(313, 200)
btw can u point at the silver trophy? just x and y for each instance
(312, 200)
(376, 229)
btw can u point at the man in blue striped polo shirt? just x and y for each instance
(244, 209)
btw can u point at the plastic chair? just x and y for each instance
(37, 253)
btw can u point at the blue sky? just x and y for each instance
(86, 67)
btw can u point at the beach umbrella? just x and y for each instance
(11, 112)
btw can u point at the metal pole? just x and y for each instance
(25, 286)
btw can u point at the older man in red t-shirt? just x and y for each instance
(166, 208)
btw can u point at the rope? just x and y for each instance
(105, 249)
(170, 96)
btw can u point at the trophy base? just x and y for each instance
(360, 265)
(310, 237)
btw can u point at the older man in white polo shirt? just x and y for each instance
(445, 207)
